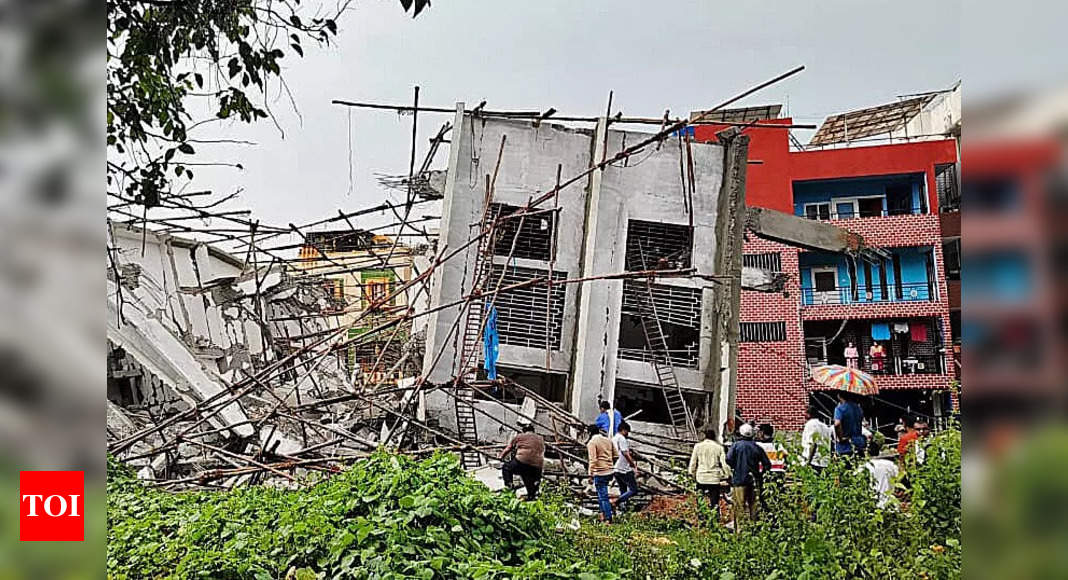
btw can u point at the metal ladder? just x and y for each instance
(471, 350)
(678, 411)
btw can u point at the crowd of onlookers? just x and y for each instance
(734, 472)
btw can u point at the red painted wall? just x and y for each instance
(773, 382)
(767, 182)
(773, 167)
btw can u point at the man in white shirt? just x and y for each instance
(816, 439)
(883, 473)
(626, 468)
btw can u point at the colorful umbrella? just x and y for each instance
(846, 379)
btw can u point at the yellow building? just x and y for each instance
(361, 269)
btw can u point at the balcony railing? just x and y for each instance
(910, 292)
(686, 358)
(895, 365)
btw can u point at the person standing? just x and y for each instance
(776, 453)
(815, 437)
(912, 441)
(708, 467)
(746, 460)
(626, 468)
(599, 454)
(851, 355)
(609, 419)
(527, 462)
(878, 357)
(848, 417)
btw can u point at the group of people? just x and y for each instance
(609, 439)
(876, 356)
(740, 469)
(608, 452)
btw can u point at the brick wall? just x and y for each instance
(773, 384)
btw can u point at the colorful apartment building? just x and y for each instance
(889, 193)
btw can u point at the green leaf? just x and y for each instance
(406, 501)
(298, 49)
(186, 148)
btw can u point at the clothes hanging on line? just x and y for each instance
(880, 331)
(491, 345)
(918, 332)
(901, 327)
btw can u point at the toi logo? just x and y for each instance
(51, 506)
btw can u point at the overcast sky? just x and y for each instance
(566, 54)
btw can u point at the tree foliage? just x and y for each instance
(173, 65)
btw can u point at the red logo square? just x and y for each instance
(51, 506)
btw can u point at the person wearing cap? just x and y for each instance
(747, 461)
(527, 462)
(599, 452)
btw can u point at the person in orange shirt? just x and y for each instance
(916, 431)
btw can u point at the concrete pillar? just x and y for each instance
(593, 371)
(448, 283)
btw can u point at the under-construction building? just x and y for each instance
(661, 346)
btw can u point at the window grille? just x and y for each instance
(535, 234)
(768, 261)
(658, 246)
(521, 311)
(763, 331)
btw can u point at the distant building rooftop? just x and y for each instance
(868, 122)
(742, 115)
(343, 240)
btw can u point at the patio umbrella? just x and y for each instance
(846, 379)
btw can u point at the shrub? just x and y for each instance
(387, 517)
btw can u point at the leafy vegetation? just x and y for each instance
(394, 517)
(173, 65)
(388, 517)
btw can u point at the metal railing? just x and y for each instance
(908, 292)
(894, 365)
(686, 358)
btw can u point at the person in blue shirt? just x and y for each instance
(848, 421)
(609, 423)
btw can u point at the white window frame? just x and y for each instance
(855, 200)
(830, 214)
(825, 296)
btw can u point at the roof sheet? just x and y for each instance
(868, 122)
(742, 115)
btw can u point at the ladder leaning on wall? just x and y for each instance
(660, 357)
(471, 343)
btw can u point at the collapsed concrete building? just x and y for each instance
(591, 263)
(185, 321)
(660, 348)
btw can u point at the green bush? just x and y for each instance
(393, 517)
(823, 525)
(388, 517)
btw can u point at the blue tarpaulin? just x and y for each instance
(880, 331)
(491, 345)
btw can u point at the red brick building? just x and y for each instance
(890, 195)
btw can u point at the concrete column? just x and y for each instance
(590, 373)
(447, 282)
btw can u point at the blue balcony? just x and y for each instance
(908, 276)
(861, 197)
